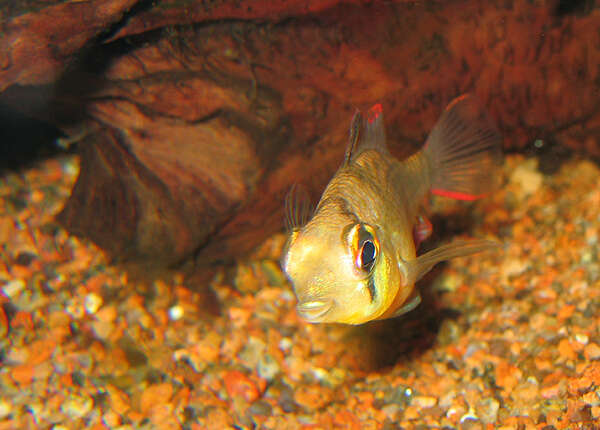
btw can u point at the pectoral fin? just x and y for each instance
(412, 302)
(415, 269)
(421, 230)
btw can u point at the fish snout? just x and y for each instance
(314, 310)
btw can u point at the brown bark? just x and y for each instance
(204, 117)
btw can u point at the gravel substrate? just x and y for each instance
(506, 340)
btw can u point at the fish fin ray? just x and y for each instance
(417, 268)
(366, 133)
(421, 230)
(298, 207)
(464, 151)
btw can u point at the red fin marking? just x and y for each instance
(456, 194)
(374, 113)
(456, 100)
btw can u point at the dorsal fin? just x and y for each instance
(366, 133)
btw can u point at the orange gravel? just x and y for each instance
(506, 340)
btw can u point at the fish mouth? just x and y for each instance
(314, 310)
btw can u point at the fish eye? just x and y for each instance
(367, 256)
(364, 245)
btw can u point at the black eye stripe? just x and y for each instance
(371, 288)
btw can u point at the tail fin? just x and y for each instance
(464, 150)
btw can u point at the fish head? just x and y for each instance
(341, 270)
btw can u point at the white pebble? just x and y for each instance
(5, 408)
(285, 344)
(527, 177)
(92, 303)
(70, 167)
(320, 373)
(469, 416)
(175, 312)
(582, 338)
(13, 288)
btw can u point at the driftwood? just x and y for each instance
(199, 116)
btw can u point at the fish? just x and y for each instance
(354, 259)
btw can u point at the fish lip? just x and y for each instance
(315, 309)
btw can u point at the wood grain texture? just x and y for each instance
(202, 117)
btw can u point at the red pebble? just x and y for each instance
(238, 384)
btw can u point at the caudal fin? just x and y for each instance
(464, 151)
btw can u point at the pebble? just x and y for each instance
(320, 374)
(75, 308)
(470, 422)
(5, 408)
(111, 419)
(514, 267)
(176, 312)
(77, 407)
(551, 391)
(92, 303)
(449, 332)
(253, 352)
(102, 329)
(285, 344)
(154, 395)
(592, 351)
(13, 288)
(260, 408)
(268, 367)
(582, 338)
(504, 321)
(565, 349)
(487, 409)
(527, 177)
(391, 411)
(284, 395)
(107, 314)
(238, 384)
(246, 280)
(424, 401)
(3, 323)
(592, 398)
(313, 396)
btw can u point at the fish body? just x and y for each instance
(356, 259)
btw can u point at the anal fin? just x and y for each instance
(412, 302)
